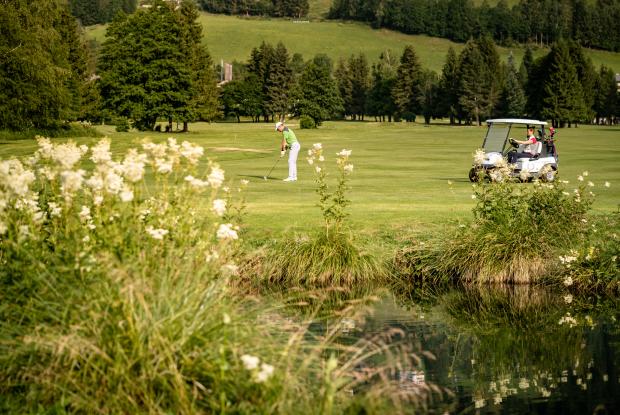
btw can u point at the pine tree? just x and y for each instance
(586, 74)
(472, 92)
(279, 83)
(606, 102)
(41, 71)
(297, 65)
(407, 92)
(449, 86)
(204, 102)
(77, 56)
(563, 96)
(379, 101)
(492, 75)
(360, 84)
(479, 80)
(316, 94)
(260, 63)
(345, 86)
(429, 90)
(512, 102)
(526, 67)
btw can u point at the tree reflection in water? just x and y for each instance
(508, 349)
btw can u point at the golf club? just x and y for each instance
(273, 167)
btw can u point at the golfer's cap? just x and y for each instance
(278, 124)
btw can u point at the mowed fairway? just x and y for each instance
(407, 177)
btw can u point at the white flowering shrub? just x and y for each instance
(514, 236)
(117, 295)
(332, 204)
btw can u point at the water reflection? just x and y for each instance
(507, 349)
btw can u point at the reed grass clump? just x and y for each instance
(514, 236)
(115, 297)
(330, 257)
(323, 260)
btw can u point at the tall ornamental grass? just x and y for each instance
(115, 298)
(515, 234)
(330, 257)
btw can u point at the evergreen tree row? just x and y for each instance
(276, 8)
(592, 23)
(44, 76)
(90, 12)
(563, 87)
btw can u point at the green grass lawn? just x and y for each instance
(232, 38)
(402, 171)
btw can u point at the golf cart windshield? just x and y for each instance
(499, 131)
(496, 137)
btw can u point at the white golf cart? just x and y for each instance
(543, 164)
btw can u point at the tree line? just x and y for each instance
(275, 8)
(562, 86)
(153, 66)
(91, 12)
(44, 75)
(594, 24)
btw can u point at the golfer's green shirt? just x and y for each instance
(289, 136)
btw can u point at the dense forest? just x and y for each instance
(90, 12)
(592, 24)
(276, 8)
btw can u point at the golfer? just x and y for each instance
(289, 141)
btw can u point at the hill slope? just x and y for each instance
(232, 38)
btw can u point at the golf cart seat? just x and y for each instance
(537, 150)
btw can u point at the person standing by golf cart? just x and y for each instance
(289, 141)
(528, 151)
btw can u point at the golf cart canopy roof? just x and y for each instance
(516, 121)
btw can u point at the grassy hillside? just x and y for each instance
(232, 38)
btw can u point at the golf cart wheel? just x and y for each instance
(474, 175)
(549, 175)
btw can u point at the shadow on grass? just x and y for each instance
(259, 177)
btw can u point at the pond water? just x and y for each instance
(509, 350)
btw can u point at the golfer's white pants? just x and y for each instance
(292, 160)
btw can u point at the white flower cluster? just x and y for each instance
(479, 157)
(167, 155)
(197, 183)
(568, 320)
(567, 260)
(15, 192)
(315, 154)
(227, 231)
(501, 172)
(216, 176)
(156, 233)
(261, 372)
(219, 207)
(342, 161)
